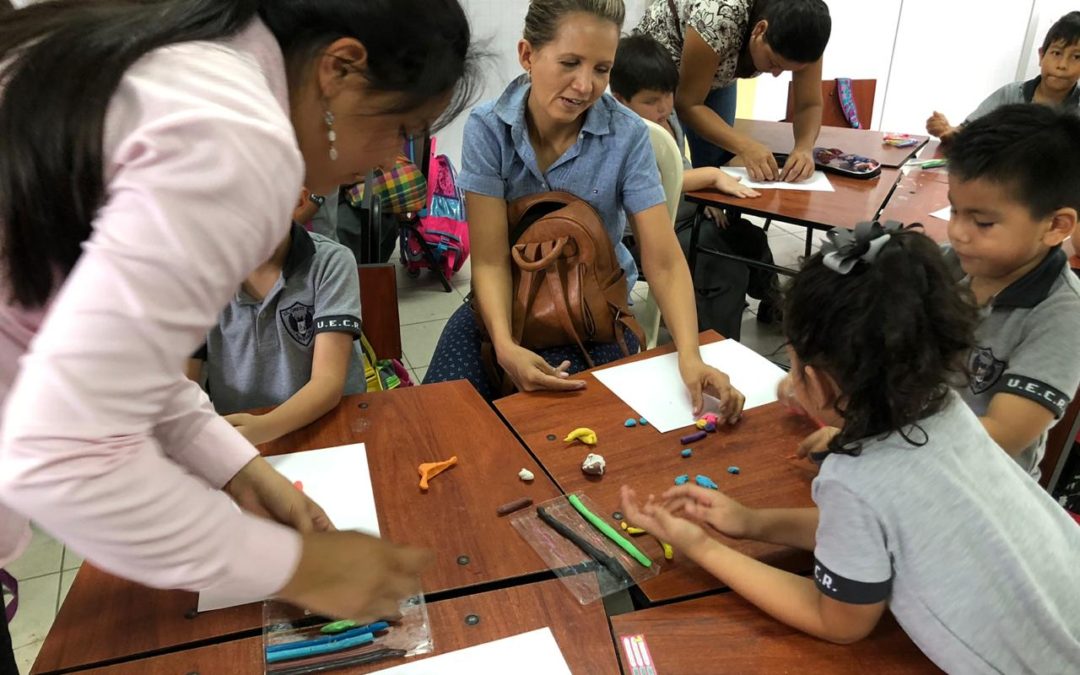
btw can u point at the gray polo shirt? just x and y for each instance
(260, 352)
(1021, 92)
(978, 563)
(1026, 344)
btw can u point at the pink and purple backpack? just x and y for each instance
(442, 226)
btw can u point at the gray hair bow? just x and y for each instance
(847, 247)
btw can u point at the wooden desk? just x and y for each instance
(649, 461)
(917, 195)
(581, 632)
(726, 634)
(866, 142)
(106, 618)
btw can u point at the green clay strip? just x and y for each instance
(609, 531)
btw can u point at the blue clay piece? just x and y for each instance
(682, 480)
(687, 452)
(643, 422)
(710, 427)
(706, 482)
(733, 470)
(631, 422)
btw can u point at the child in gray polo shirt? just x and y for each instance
(1013, 178)
(287, 339)
(918, 510)
(1059, 66)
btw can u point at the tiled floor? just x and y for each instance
(47, 569)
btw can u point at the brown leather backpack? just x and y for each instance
(568, 287)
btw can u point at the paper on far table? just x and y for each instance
(818, 182)
(339, 480)
(533, 653)
(943, 214)
(655, 390)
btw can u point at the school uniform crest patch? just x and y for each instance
(986, 369)
(298, 319)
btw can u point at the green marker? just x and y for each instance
(609, 532)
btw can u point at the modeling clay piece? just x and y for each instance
(631, 422)
(526, 475)
(669, 553)
(700, 424)
(682, 480)
(515, 505)
(338, 626)
(711, 417)
(593, 465)
(710, 427)
(686, 452)
(631, 530)
(692, 438)
(429, 470)
(643, 422)
(583, 434)
(733, 470)
(609, 531)
(705, 482)
(299, 485)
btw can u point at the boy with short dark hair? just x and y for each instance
(1059, 65)
(289, 338)
(1013, 178)
(644, 79)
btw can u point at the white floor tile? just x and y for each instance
(37, 609)
(418, 341)
(25, 657)
(787, 252)
(67, 578)
(72, 560)
(426, 303)
(43, 556)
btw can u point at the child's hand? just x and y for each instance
(256, 428)
(817, 442)
(732, 185)
(937, 125)
(710, 507)
(684, 535)
(717, 216)
(785, 392)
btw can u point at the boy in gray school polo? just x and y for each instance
(260, 352)
(1019, 344)
(1021, 92)
(976, 561)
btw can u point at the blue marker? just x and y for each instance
(359, 630)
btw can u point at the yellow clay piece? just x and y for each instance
(583, 434)
(669, 552)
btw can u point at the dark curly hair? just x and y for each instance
(894, 335)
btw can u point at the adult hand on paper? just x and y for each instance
(711, 508)
(681, 533)
(817, 441)
(530, 372)
(260, 489)
(798, 167)
(349, 575)
(256, 428)
(759, 161)
(700, 379)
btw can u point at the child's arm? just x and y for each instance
(329, 367)
(1014, 422)
(938, 125)
(712, 178)
(194, 369)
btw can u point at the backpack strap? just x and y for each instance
(553, 278)
(847, 101)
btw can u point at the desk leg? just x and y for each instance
(695, 231)
(809, 242)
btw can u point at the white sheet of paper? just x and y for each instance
(655, 390)
(339, 480)
(818, 182)
(533, 653)
(943, 214)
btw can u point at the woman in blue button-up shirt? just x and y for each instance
(554, 129)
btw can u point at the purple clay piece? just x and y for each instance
(687, 452)
(706, 482)
(630, 422)
(682, 480)
(733, 470)
(692, 438)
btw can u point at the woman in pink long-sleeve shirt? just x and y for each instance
(149, 158)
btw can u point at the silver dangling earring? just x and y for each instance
(331, 135)
(528, 76)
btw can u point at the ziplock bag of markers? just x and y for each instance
(298, 642)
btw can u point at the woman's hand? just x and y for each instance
(256, 428)
(703, 379)
(759, 161)
(798, 167)
(681, 533)
(260, 489)
(350, 575)
(710, 507)
(530, 372)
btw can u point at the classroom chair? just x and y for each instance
(381, 323)
(669, 160)
(1059, 443)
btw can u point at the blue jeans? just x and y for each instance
(702, 152)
